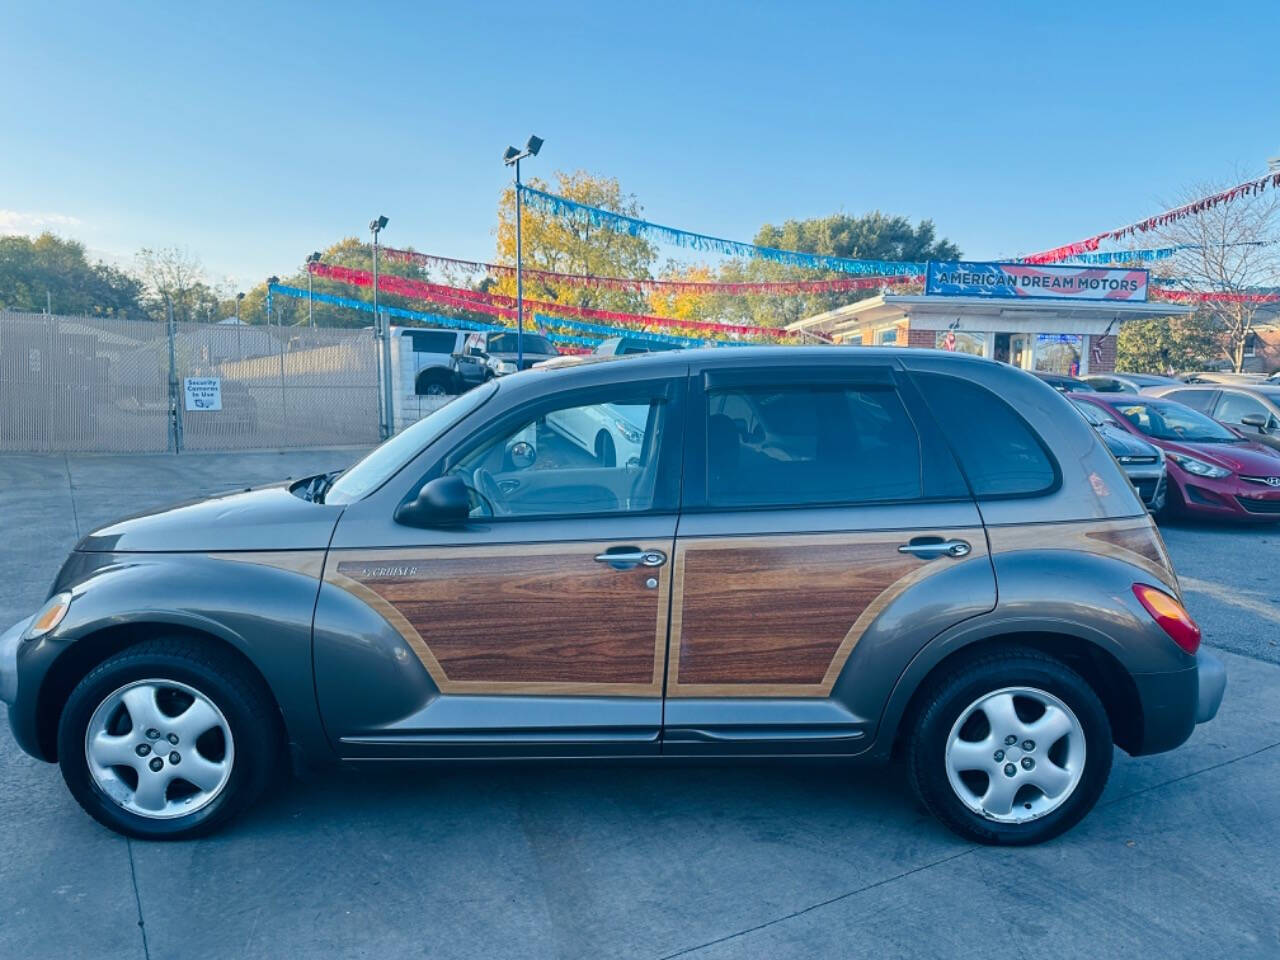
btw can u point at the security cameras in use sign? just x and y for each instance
(203, 393)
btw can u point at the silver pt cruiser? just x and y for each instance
(849, 554)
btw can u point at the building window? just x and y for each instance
(1059, 353)
(962, 341)
(887, 336)
(1251, 345)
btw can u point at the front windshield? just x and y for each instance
(1091, 413)
(385, 460)
(1172, 421)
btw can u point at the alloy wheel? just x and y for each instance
(1015, 754)
(159, 749)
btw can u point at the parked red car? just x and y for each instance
(1213, 471)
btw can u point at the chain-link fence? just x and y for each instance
(119, 386)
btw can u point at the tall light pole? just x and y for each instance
(239, 348)
(512, 157)
(314, 258)
(271, 282)
(382, 330)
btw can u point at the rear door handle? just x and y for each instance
(625, 558)
(929, 547)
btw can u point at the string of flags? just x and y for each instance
(558, 206)
(1248, 188)
(646, 286)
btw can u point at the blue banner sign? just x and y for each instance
(962, 278)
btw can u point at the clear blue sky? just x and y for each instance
(252, 133)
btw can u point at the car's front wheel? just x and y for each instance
(1014, 748)
(168, 739)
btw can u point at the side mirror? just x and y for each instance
(1256, 420)
(440, 502)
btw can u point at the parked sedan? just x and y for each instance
(1064, 384)
(839, 554)
(1253, 411)
(1143, 462)
(1127, 382)
(1212, 471)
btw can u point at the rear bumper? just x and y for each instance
(1174, 702)
(1212, 676)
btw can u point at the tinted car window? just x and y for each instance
(432, 341)
(998, 451)
(784, 446)
(1233, 407)
(1195, 399)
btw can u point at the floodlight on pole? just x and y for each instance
(313, 258)
(382, 331)
(512, 157)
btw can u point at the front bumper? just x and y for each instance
(10, 640)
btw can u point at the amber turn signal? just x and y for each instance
(1168, 612)
(49, 617)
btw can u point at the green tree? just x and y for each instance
(50, 271)
(564, 245)
(874, 236)
(1168, 345)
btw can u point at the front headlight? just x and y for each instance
(49, 617)
(1199, 467)
(501, 367)
(627, 430)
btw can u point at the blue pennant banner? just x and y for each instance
(1127, 256)
(570, 209)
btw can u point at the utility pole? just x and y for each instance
(382, 330)
(512, 157)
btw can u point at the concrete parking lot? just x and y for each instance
(1180, 858)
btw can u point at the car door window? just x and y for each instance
(1234, 407)
(1201, 400)
(589, 455)
(797, 445)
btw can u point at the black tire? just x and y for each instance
(436, 383)
(606, 452)
(944, 704)
(249, 710)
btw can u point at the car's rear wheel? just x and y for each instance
(1015, 748)
(168, 739)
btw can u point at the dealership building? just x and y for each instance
(1051, 319)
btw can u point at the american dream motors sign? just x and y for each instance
(962, 278)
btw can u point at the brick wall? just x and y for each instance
(1107, 362)
(922, 338)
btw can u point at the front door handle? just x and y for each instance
(929, 547)
(626, 558)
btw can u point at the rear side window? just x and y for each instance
(432, 341)
(797, 445)
(1000, 454)
(1200, 400)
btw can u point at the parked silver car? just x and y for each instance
(1143, 462)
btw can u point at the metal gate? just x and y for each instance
(117, 386)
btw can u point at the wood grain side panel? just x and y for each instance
(777, 614)
(537, 620)
(1134, 541)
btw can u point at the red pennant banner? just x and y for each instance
(504, 306)
(1195, 296)
(773, 288)
(1247, 189)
